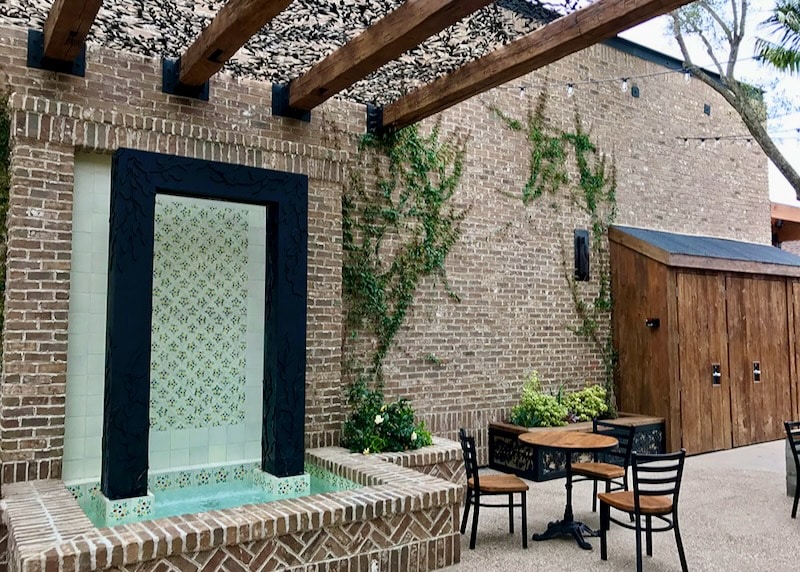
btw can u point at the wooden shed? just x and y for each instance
(706, 334)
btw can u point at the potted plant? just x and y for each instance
(538, 409)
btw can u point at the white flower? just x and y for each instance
(366, 451)
(413, 436)
(378, 419)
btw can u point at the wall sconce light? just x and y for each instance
(581, 255)
(652, 323)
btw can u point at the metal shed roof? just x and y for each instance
(706, 252)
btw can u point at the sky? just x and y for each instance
(655, 34)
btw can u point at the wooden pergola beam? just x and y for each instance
(234, 24)
(399, 31)
(67, 26)
(543, 46)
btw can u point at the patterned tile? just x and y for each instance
(199, 314)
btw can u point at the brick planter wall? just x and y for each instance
(401, 518)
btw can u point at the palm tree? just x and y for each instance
(784, 54)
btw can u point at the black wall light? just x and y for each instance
(581, 255)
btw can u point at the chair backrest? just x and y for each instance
(621, 454)
(793, 435)
(657, 475)
(470, 456)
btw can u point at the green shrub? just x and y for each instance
(539, 409)
(587, 403)
(375, 426)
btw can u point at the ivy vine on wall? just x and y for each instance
(591, 183)
(398, 225)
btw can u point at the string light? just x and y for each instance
(624, 80)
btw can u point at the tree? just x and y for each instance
(720, 26)
(785, 53)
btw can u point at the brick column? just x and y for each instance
(36, 304)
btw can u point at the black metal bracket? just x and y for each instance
(281, 107)
(171, 83)
(37, 59)
(375, 120)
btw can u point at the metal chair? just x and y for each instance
(613, 469)
(490, 485)
(793, 435)
(656, 486)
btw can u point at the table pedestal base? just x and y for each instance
(576, 530)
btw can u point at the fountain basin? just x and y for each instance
(400, 519)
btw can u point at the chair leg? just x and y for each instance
(605, 513)
(649, 535)
(594, 494)
(524, 520)
(474, 523)
(638, 543)
(679, 542)
(511, 513)
(467, 502)
(796, 499)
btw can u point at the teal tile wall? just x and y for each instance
(199, 337)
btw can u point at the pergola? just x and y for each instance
(414, 21)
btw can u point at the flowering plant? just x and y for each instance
(375, 426)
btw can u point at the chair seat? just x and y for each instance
(500, 484)
(603, 471)
(624, 501)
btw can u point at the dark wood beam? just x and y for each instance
(551, 42)
(67, 26)
(401, 30)
(234, 24)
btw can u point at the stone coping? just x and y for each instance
(49, 531)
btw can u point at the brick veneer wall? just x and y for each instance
(515, 313)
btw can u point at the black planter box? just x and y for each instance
(508, 454)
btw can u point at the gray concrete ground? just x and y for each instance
(734, 516)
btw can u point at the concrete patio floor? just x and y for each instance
(734, 515)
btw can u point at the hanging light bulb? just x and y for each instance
(570, 90)
(702, 142)
(624, 86)
(749, 142)
(522, 91)
(687, 76)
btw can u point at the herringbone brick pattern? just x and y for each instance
(426, 536)
(452, 471)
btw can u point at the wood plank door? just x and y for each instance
(703, 343)
(758, 332)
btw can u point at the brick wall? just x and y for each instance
(515, 313)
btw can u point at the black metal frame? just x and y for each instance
(136, 178)
(793, 436)
(620, 455)
(653, 475)
(474, 493)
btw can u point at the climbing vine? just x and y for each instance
(591, 184)
(5, 182)
(398, 227)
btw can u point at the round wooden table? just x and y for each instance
(570, 442)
